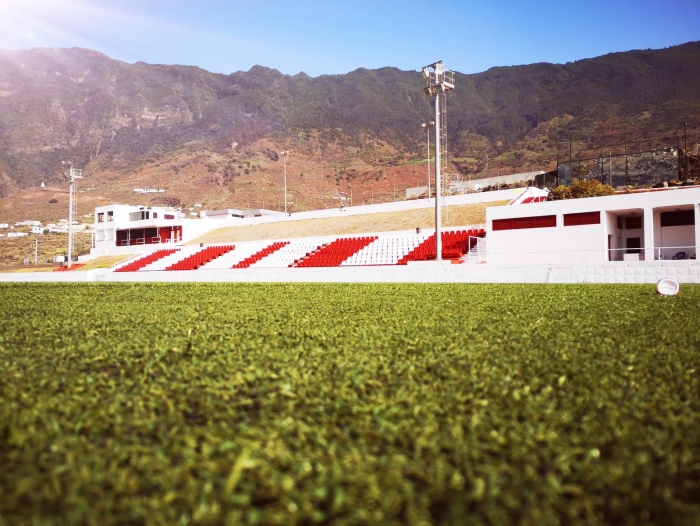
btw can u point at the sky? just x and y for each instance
(322, 37)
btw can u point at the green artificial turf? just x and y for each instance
(348, 404)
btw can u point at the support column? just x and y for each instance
(648, 234)
(696, 207)
(606, 249)
(438, 176)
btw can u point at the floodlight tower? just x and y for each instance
(439, 81)
(72, 176)
(284, 155)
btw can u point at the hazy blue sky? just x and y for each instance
(329, 37)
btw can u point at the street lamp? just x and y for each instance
(426, 127)
(284, 155)
(439, 81)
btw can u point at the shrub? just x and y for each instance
(581, 188)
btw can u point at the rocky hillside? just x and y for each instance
(198, 133)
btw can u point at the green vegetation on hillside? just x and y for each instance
(506, 117)
(348, 404)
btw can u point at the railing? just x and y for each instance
(146, 241)
(479, 251)
(613, 255)
(676, 253)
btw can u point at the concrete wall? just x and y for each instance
(513, 245)
(473, 184)
(466, 199)
(678, 239)
(526, 246)
(419, 272)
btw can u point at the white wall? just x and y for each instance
(420, 272)
(417, 204)
(682, 237)
(548, 245)
(497, 180)
(548, 242)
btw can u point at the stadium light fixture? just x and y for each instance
(438, 82)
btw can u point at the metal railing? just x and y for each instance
(613, 255)
(146, 241)
(479, 252)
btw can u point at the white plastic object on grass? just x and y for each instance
(667, 287)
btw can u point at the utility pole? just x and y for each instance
(685, 145)
(36, 251)
(571, 166)
(284, 155)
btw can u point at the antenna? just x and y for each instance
(438, 82)
(72, 176)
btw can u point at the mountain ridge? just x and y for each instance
(113, 117)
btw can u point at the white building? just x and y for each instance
(128, 229)
(643, 225)
(125, 226)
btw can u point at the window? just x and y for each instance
(155, 215)
(101, 217)
(139, 216)
(169, 216)
(110, 216)
(679, 218)
(619, 222)
(633, 223)
(525, 222)
(585, 218)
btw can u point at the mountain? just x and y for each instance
(125, 123)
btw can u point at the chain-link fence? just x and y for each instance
(641, 163)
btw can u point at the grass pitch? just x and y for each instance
(350, 404)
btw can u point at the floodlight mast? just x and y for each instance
(426, 127)
(439, 81)
(72, 175)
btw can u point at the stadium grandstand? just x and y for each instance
(391, 248)
(515, 235)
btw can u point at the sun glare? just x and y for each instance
(84, 23)
(26, 23)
